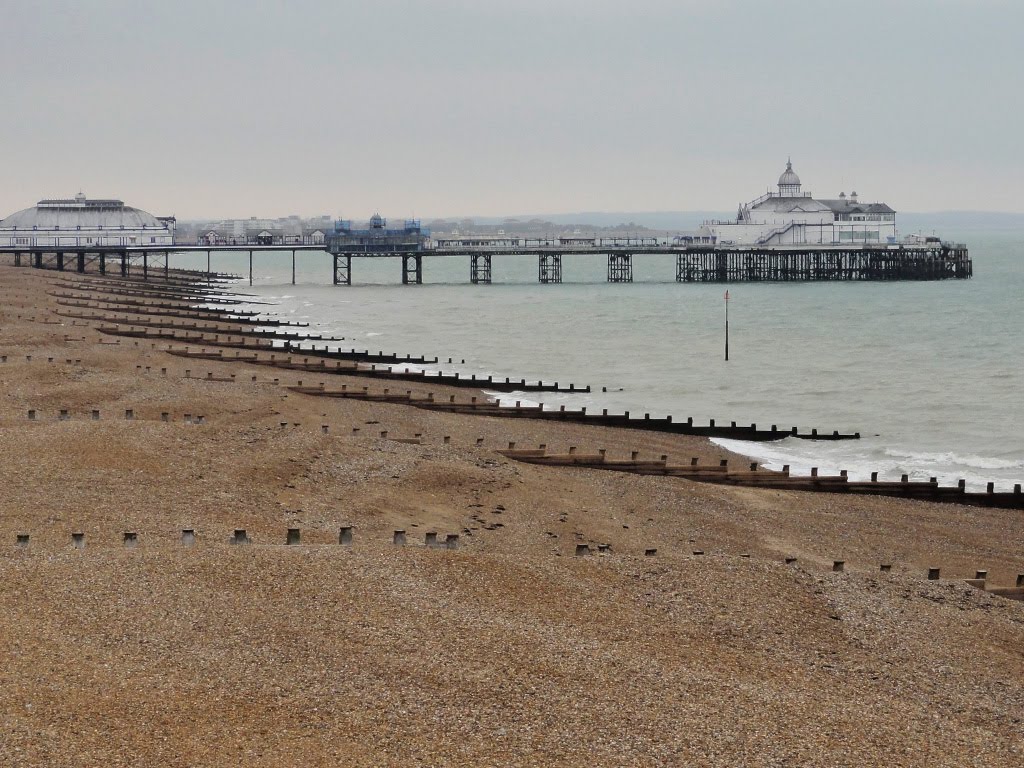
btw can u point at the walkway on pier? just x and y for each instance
(694, 263)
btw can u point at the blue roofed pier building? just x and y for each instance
(407, 242)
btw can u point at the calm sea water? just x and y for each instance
(929, 373)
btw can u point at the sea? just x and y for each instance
(929, 373)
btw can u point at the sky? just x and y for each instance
(209, 109)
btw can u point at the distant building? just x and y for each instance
(253, 231)
(79, 222)
(378, 238)
(793, 217)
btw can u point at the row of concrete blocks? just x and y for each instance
(934, 574)
(145, 368)
(68, 361)
(64, 414)
(838, 566)
(240, 536)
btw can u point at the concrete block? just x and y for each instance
(240, 537)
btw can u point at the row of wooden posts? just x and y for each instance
(240, 536)
(432, 540)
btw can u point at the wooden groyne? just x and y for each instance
(198, 297)
(369, 370)
(757, 477)
(174, 304)
(216, 315)
(194, 326)
(476, 406)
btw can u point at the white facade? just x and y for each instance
(82, 223)
(793, 217)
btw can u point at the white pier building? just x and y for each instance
(83, 223)
(792, 217)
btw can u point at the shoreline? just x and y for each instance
(891, 459)
(511, 645)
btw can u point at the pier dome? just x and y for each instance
(789, 182)
(81, 213)
(81, 222)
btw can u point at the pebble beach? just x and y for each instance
(684, 637)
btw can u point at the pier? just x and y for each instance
(694, 263)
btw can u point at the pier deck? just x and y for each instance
(694, 263)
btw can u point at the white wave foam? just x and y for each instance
(861, 458)
(948, 457)
(509, 399)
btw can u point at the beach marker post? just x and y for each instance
(727, 326)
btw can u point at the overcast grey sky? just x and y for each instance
(203, 108)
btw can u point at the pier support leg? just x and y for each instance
(549, 268)
(207, 267)
(412, 268)
(167, 265)
(60, 262)
(124, 264)
(81, 263)
(620, 268)
(17, 259)
(250, 267)
(293, 267)
(480, 268)
(145, 265)
(103, 263)
(685, 268)
(342, 269)
(37, 259)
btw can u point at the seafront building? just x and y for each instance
(255, 231)
(793, 217)
(80, 222)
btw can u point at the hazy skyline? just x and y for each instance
(460, 108)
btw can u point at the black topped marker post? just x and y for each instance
(726, 326)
